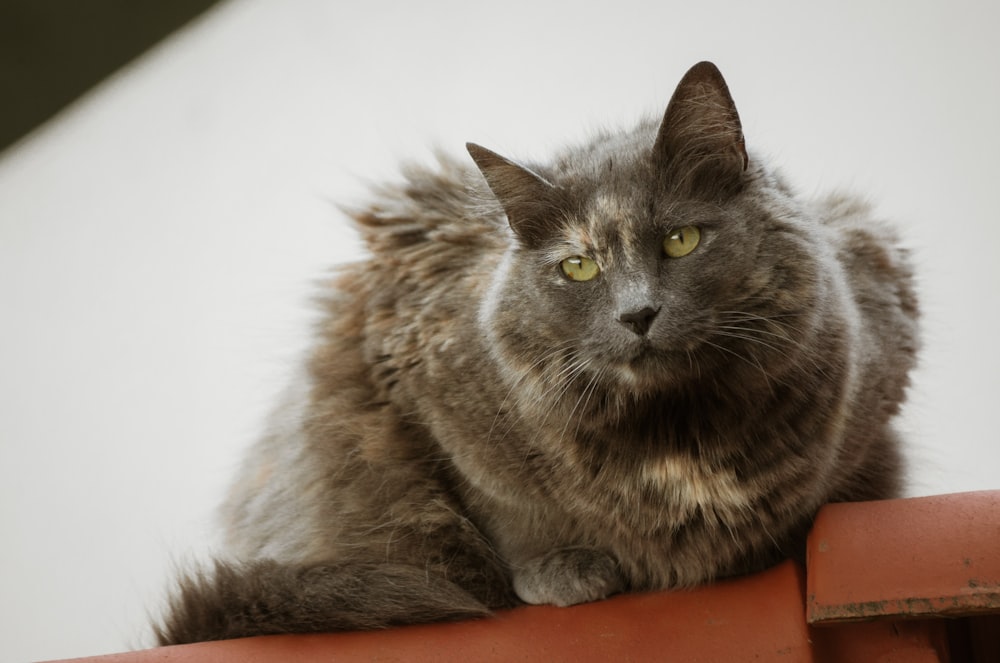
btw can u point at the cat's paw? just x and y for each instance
(568, 576)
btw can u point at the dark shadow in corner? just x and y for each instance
(52, 51)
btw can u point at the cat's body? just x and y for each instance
(645, 365)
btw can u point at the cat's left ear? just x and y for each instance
(700, 142)
(527, 198)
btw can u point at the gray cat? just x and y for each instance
(642, 365)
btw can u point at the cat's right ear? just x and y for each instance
(527, 198)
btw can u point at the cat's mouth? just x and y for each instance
(644, 365)
(648, 365)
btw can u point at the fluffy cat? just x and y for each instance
(642, 365)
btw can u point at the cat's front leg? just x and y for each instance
(567, 576)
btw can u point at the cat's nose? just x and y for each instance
(639, 321)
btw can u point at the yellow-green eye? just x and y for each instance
(682, 241)
(580, 268)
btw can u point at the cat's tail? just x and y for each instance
(265, 597)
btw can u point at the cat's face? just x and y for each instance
(646, 259)
(632, 285)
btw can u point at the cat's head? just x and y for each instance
(648, 257)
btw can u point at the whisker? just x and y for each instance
(777, 330)
(754, 363)
(805, 352)
(545, 358)
(588, 392)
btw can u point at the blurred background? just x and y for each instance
(168, 191)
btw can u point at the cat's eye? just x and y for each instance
(682, 241)
(580, 268)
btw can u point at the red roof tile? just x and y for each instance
(911, 557)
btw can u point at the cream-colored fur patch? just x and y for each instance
(691, 485)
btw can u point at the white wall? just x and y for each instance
(157, 241)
